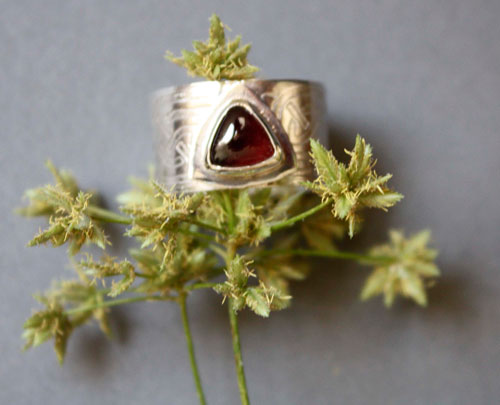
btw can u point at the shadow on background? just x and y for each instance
(91, 347)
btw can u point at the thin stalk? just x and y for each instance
(291, 221)
(333, 254)
(205, 225)
(112, 303)
(189, 343)
(219, 250)
(229, 209)
(196, 234)
(199, 286)
(240, 371)
(235, 336)
(105, 215)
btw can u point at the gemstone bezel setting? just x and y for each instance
(280, 164)
(214, 139)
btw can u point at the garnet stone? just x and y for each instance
(240, 140)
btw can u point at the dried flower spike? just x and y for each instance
(409, 265)
(216, 59)
(352, 187)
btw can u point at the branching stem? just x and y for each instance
(112, 303)
(229, 210)
(199, 235)
(105, 215)
(291, 221)
(205, 225)
(333, 254)
(199, 286)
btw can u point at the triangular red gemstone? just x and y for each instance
(240, 140)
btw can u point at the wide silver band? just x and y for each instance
(186, 118)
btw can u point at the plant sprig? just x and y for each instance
(409, 268)
(216, 58)
(180, 237)
(351, 187)
(247, 245)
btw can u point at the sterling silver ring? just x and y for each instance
(230, 134)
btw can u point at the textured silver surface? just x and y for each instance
(418, 79)
(186, 117)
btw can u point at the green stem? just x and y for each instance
(240, 371)
(105, 215)
(291, 221)
(189, 342)
(218, 250)
(334, 254)
(205, 225)
(112, 303)
(196, 234)
(229, 209)
(199, 286)
(235, 335)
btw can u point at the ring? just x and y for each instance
(231, 134)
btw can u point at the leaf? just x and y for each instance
(380, 200)
(412, 287)
(326, 165)
(426, 269)
(374, 284)
(256, 300)
(342, 207)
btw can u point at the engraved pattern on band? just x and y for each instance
(185, 118)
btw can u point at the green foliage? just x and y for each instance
(261, 299)
(154, 219)
(70, 222)
(142, 193)
(351, 187)
(237, 213)
(409, 264)
(189, 262)
(180, 238)
(216, 58)
(81, 294)
(109, 267)
(320, 231)
(39, 204)
(50, 323)
(68, 209)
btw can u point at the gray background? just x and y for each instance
(419, 79)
